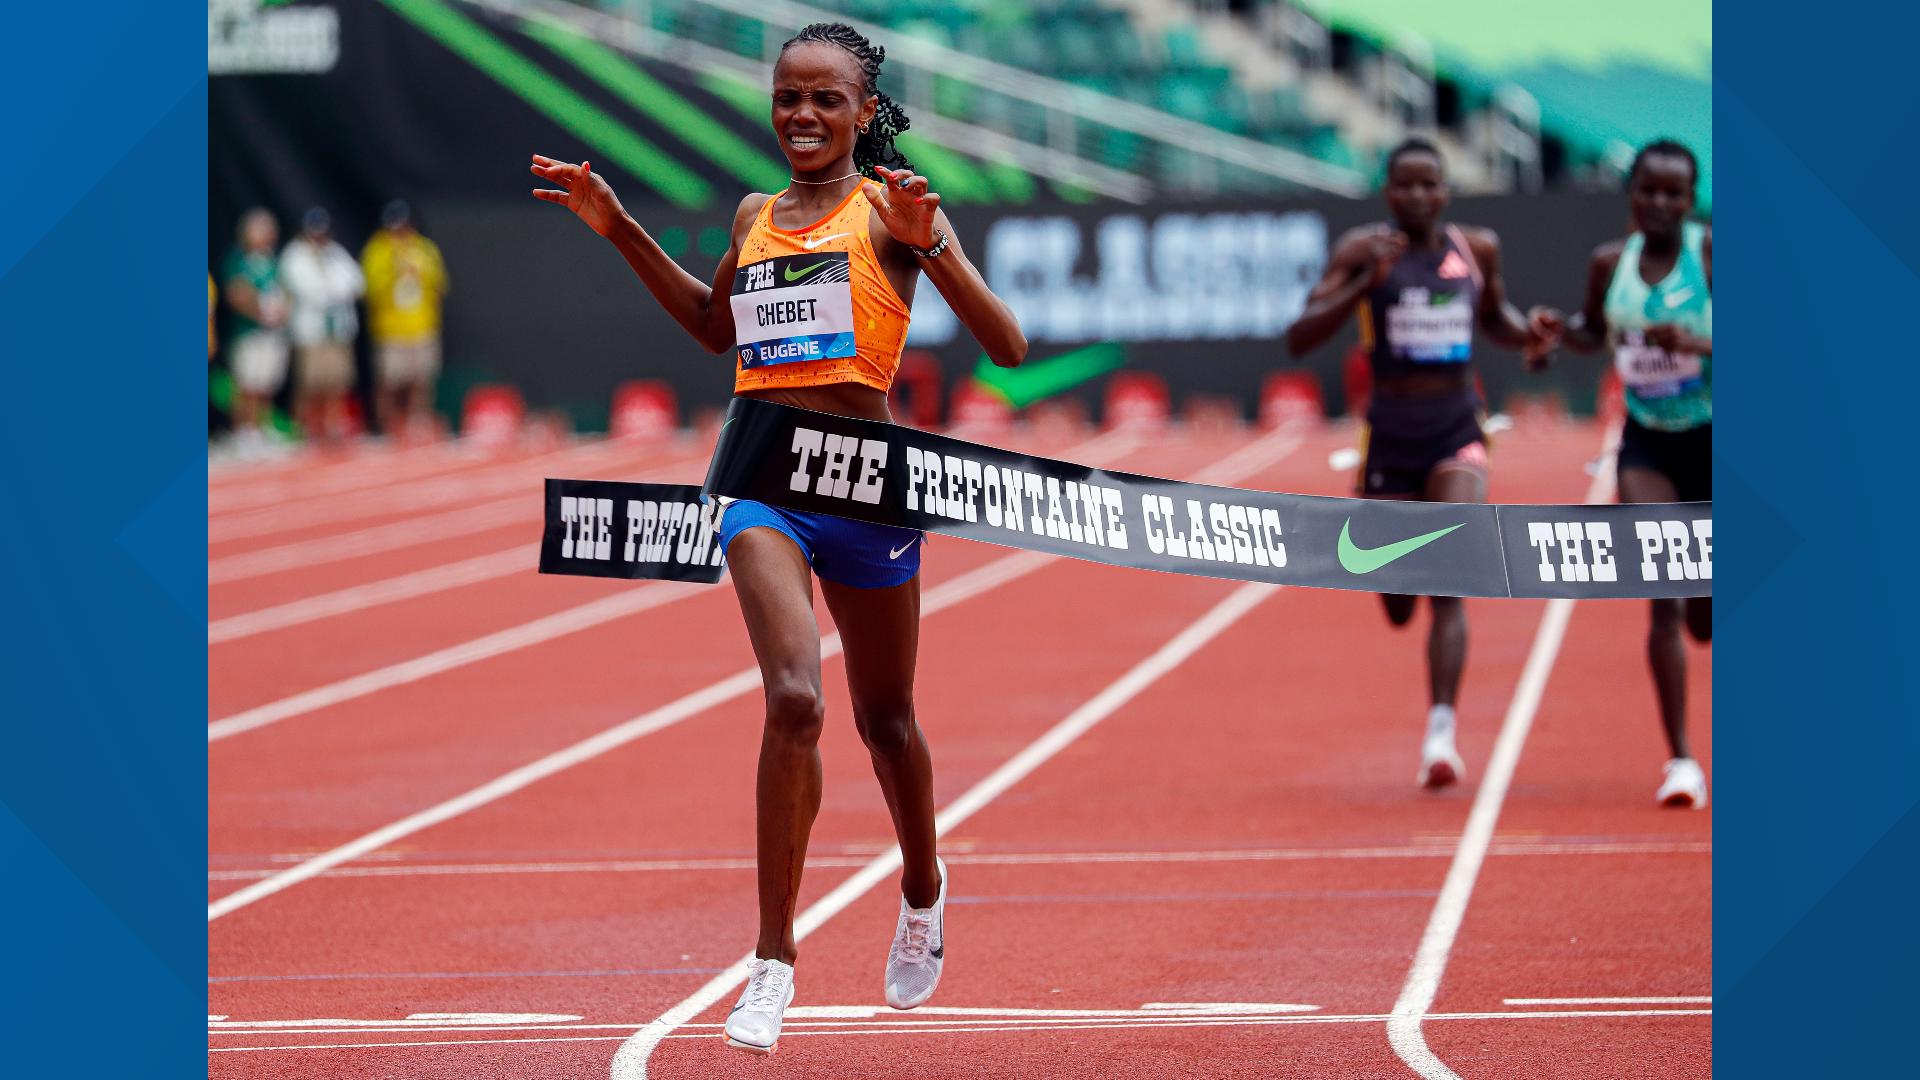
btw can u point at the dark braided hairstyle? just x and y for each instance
(1664, 148)
(873, 146)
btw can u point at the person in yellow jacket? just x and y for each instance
(406, 282)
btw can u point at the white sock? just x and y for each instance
(1440, 720)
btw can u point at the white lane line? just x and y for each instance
(414, 495)
(1697, 1000)
(304, 466)
(571, 621)
(374, 593)
(990, 576)
(799, 1015)
(1254, 456)
(908, 1027)
(298, 487)
(545, 628)
(1443, 926)
(425, 529)
(1071, 858)
(630, 1062)
(994, 574)
(502, 563)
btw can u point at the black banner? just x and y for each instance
(891, 475)
(899, 476)
(604, 528)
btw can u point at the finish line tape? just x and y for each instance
(813, 462)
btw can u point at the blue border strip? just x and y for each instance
(102, 775)
(1817, 757)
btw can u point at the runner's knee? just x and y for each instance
(1399, 608)
(886, 726)
(1666, 618)
(1700, 618)
(795, 708)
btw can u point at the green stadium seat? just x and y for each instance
(1232, 110)
(1182, 46)
(1079, 49)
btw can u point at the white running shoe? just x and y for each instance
(1685, 786)
(919, 949)
(1440, 764)
(754, 1023)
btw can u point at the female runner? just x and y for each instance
(850, 250)
(1420, 286)
(1650, 298)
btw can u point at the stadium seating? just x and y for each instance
(1084, 42)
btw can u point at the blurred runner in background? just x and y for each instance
(1650, 300)
(1418, 286)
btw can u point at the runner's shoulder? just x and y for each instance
(1352, 244)
(1607, 255)
(1483, 241)
(743, 215)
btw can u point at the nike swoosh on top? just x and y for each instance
(1358, 560)
(1677, 297)
(811, 244)
(896, 552)
(791, 276)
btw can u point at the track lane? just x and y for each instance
(1638, 928)
(348, 768)
(564, 917)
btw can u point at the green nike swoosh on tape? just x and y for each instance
(791, 276)
(1358, 560)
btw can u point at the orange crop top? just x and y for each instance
(813, 306)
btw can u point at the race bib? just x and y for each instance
(1431, 328)
(794, 308)
(1653, 372)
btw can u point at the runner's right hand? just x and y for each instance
(1383, 250)
(583, 192)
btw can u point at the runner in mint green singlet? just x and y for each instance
(1667, 390)
(1650, 300)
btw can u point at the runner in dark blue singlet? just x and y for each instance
(1419, 287)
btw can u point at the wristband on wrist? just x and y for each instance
(940, 240)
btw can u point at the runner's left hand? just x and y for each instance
(1545, 325)
(905, 205)
(1668, 336)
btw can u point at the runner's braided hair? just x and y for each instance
(873, 146)
(1664, 148)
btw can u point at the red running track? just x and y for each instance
(1226, 876)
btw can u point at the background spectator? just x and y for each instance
(406, 282)
(256, 339)
(323, 282)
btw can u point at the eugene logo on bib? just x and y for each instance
(1431, 327)
(794, 308)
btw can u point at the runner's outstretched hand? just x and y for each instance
(582, 191)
